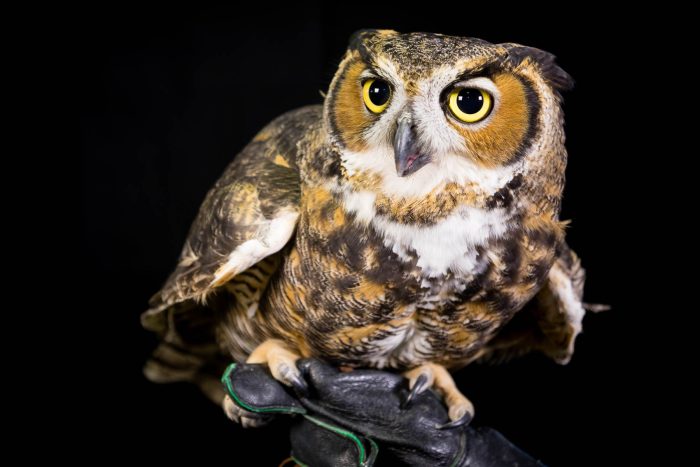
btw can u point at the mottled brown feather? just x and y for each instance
(337, 290)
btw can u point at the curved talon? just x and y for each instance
(282, 364)
(420, 385)
(461, 421)
(298, 384)
(459, 409)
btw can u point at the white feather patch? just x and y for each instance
(415, 344)
(562, 287)
(384, 347)
(274, 234)
(447, 246)
(360, 203)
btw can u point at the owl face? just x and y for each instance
(403, 104)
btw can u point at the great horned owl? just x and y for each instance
(401, 225)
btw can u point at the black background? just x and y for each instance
(169, 97)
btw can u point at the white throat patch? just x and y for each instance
(449, 245)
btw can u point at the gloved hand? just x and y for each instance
(360, 418)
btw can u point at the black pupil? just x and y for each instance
(379, 92)
(470, 101)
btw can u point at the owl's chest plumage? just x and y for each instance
(366, 289)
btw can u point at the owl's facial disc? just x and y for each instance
(408, 155)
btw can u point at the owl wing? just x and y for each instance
(550, 322)
(249, 215)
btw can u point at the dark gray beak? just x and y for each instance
(407, 154)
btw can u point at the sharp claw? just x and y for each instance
(418, 387)
(292, 377)
(461, 421)
(299, 384)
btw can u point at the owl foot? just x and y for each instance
(246, 418)
(460, 409)
(282, 363)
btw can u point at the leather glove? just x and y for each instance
(360, 418)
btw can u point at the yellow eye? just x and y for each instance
(376, 94)
(470, 105)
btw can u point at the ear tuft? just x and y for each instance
(357, 38)
(552, 72)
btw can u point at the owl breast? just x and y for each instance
(383, 293)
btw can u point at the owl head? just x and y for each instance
(418, 109)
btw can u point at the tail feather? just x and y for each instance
(188, 351)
